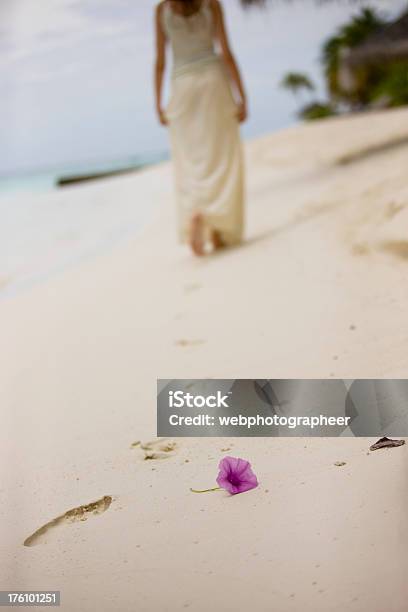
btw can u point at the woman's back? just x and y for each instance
(202, 115)
(191, 37)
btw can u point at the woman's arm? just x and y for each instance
(229, 59)
(160, 64)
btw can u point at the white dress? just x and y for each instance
(204, 129)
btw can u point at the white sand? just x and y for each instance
(327, 250)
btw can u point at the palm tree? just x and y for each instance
(296, 82)
(347, 37)
(248, 3)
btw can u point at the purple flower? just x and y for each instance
(236, 475)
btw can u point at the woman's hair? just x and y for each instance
(189, 6)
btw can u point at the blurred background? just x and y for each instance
(76, 100)
(75, 78)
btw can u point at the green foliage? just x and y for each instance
(348, 36)
(393, 86)
(317, 110)
(374, 83)
(249, 3)
(296, 81)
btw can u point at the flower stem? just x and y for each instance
(205, 490)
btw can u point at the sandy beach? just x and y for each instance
(318, 290)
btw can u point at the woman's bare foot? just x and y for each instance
(197, 234)
(217, 241)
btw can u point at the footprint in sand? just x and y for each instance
(398, 248)
(186, 343)
(81, 513)
(191, 287)
(161, 448)
(158, 449)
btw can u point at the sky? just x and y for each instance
(76, 75)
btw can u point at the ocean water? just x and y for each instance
(44, 228)
(34, 183)
(47, 179)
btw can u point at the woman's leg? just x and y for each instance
(197, 234)
(217, 240)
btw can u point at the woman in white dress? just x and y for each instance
(207, 103)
